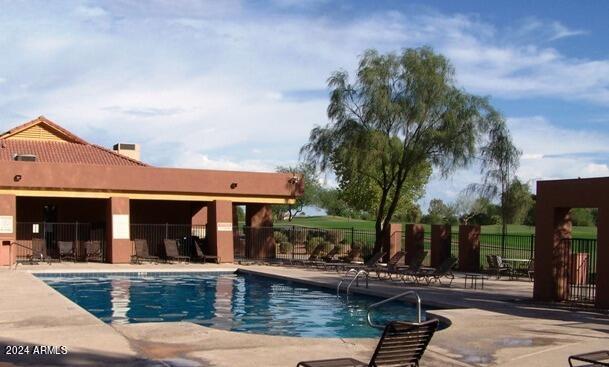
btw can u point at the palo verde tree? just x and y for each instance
(399, 117)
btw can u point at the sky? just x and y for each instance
(239, 85)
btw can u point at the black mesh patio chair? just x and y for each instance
(413, 268)
(497, 266)
(345, 261)
(313, 257)
(401, 345)
(531, 270)
(444, 270)
(203, 257)
(39, 251)
(327, 259)
(172, 252)
(66, 250)
(142, 253)
(93, 251)
(390, 267)
(370, 264)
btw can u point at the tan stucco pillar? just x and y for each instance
(393, 242)
(8, 228)
(259, 241)
(220, 230)
(469, 248)
(198, 214)
(119, 248)
(440, 243)
(415, 241)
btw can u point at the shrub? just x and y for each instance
(298, 236)
(285, 247)
(280, 237)
(334, 236)
(314, 242)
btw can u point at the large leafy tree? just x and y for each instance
(311, 195)
(401, 115)
(519, 200)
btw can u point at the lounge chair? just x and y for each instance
(202, 256)
(496, 265)
(66, 250)
(531, 270)
(39, 251)
(328, 258)
(345, 261)
(142, 253)
(370, 264)
(93, 250)
(390, 267)
(413, 268)
(172, 252)
(444, 270)
(313, 257)
(592, 359)
(402, 344)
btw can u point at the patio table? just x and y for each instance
(518, 264)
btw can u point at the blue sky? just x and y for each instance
(238, 85)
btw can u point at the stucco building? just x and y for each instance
(54, 184)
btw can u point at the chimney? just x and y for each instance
(128, 150)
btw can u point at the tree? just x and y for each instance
(519, 201)
(500, 159)
(400, 117)
(440, 213)
(310, 195)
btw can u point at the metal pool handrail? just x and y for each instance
(374, 305)
(355, 278)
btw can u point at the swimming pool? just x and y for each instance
(230, 301)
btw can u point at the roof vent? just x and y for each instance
(128, 150)
(25, 157)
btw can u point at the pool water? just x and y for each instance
(228, 301)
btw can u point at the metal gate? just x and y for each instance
(580, 268)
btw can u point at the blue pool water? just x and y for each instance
(229, 301)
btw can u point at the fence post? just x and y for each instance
(352, 235)
(532, 245)
(166, 230)
(502, 244)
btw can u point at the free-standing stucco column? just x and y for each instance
(415, 240)
(469, 248)
(440, 243)
(259, 241)
(8, 226)
(220, 230)
(393, 243)
(119, 248)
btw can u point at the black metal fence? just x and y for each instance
(155, 234)
(579, 255)
(54, 241)
(298, 243)
(520, 247)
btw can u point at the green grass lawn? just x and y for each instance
(359, 224)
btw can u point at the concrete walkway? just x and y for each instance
(497, 326)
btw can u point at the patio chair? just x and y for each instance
(390, 267)
(496, 265)
(172, 252)
(531, 270)
(413, 268)
(444, 270)
(345, 261)
(93, 251)
(328, 258)
(201, 255)
(66, 250)
(370, 264)
(142, 253)
(402, 344)
(313, 257)
(592, 359)
(39, 251)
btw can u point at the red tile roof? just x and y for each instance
(71, 150)
(62, 152)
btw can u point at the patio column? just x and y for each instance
(220, 230)
(259, 241)
(393, 244)
(440, 243)
(415, 241)
(8, 228)
(469, 248)
(602, 253)
(119, 248)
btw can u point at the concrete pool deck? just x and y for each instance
(496, 326)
